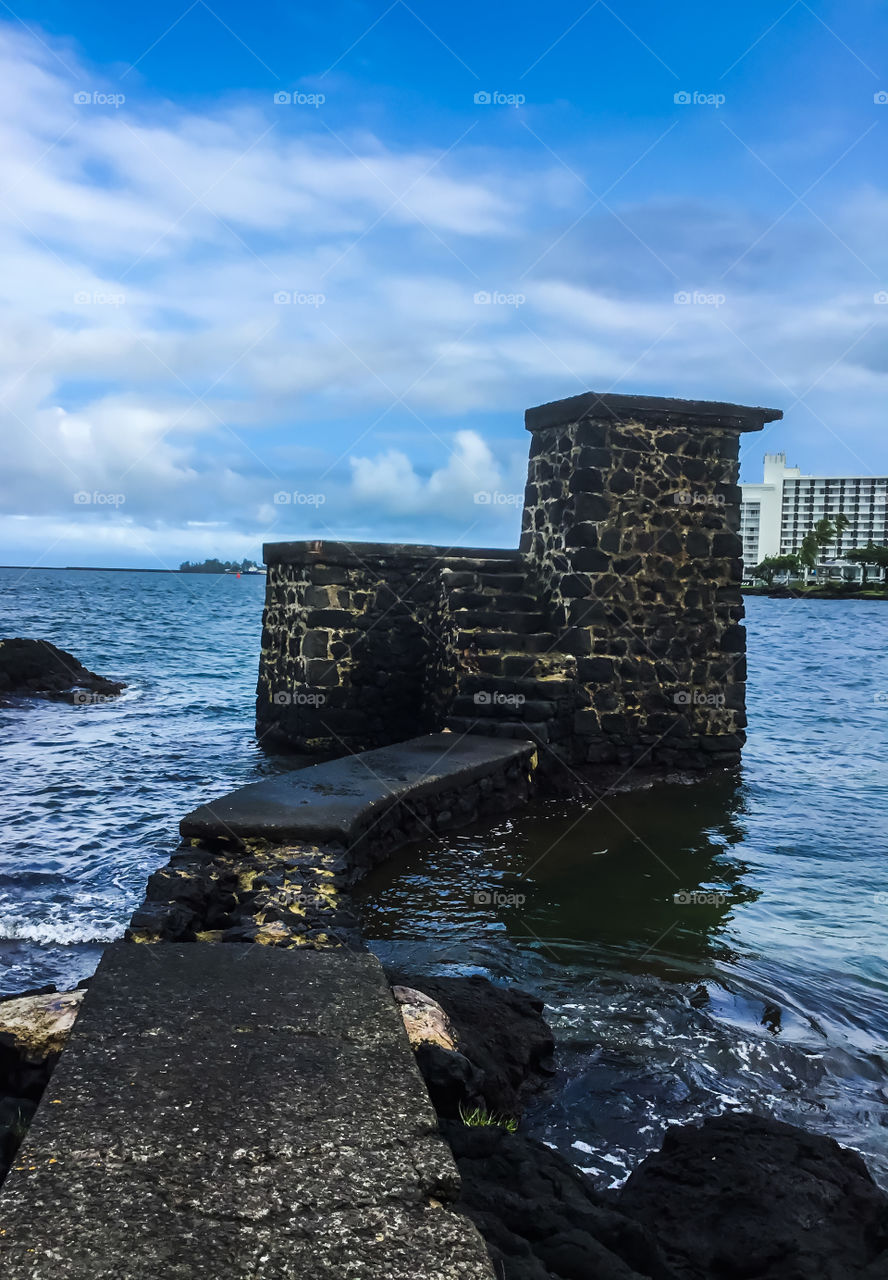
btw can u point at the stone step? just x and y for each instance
(545, 687)
(502, 641)
(547, 665)
(489, 619)
(507, 581)
(509, 563)
(494, 704)
(454, 578)
(508, 601)
(499, 728)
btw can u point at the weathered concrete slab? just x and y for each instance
(227, 1111)
(335, 801)
(591, 405)
(360, 552)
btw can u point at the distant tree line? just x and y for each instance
(824, 534)
(217, 566)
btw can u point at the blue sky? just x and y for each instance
(213, 300)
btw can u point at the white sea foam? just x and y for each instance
(48, 933)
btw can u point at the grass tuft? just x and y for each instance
(478, 1118)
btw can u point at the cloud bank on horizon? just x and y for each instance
(278, 312)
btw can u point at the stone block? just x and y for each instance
(315, 644)
(582, 535)
(321, 673)
(589, 560)
(586, 480)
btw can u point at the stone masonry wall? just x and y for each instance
(348, 653)
(613, 636)
(631, 517)
(358, 647)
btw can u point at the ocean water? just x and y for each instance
(771, 993)
(91, 796)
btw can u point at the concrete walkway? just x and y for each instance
(225, 1112)
(340, 799)
(255, 1110)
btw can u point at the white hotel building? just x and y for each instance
(776, 514)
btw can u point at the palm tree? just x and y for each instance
(808, 552)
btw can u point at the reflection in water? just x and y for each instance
(684, 968)
(636, 881)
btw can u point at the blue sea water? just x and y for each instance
(92, 795)
(772, 995)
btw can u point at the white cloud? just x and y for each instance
(390, 484)
(180, 382)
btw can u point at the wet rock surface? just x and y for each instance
(741, 1197)
(748, 1196)
(503, 1050)
(541, 1217)
(248, 891)
(38, 669)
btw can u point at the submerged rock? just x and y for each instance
(748, 1196)
(37, 669)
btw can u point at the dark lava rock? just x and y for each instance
(37, 669)
(15, 1116)
(541, 1217)
(22, 1082)
(451, 1079)
(743, 1197)
(505, 1045)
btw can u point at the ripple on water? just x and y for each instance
(773, 998)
